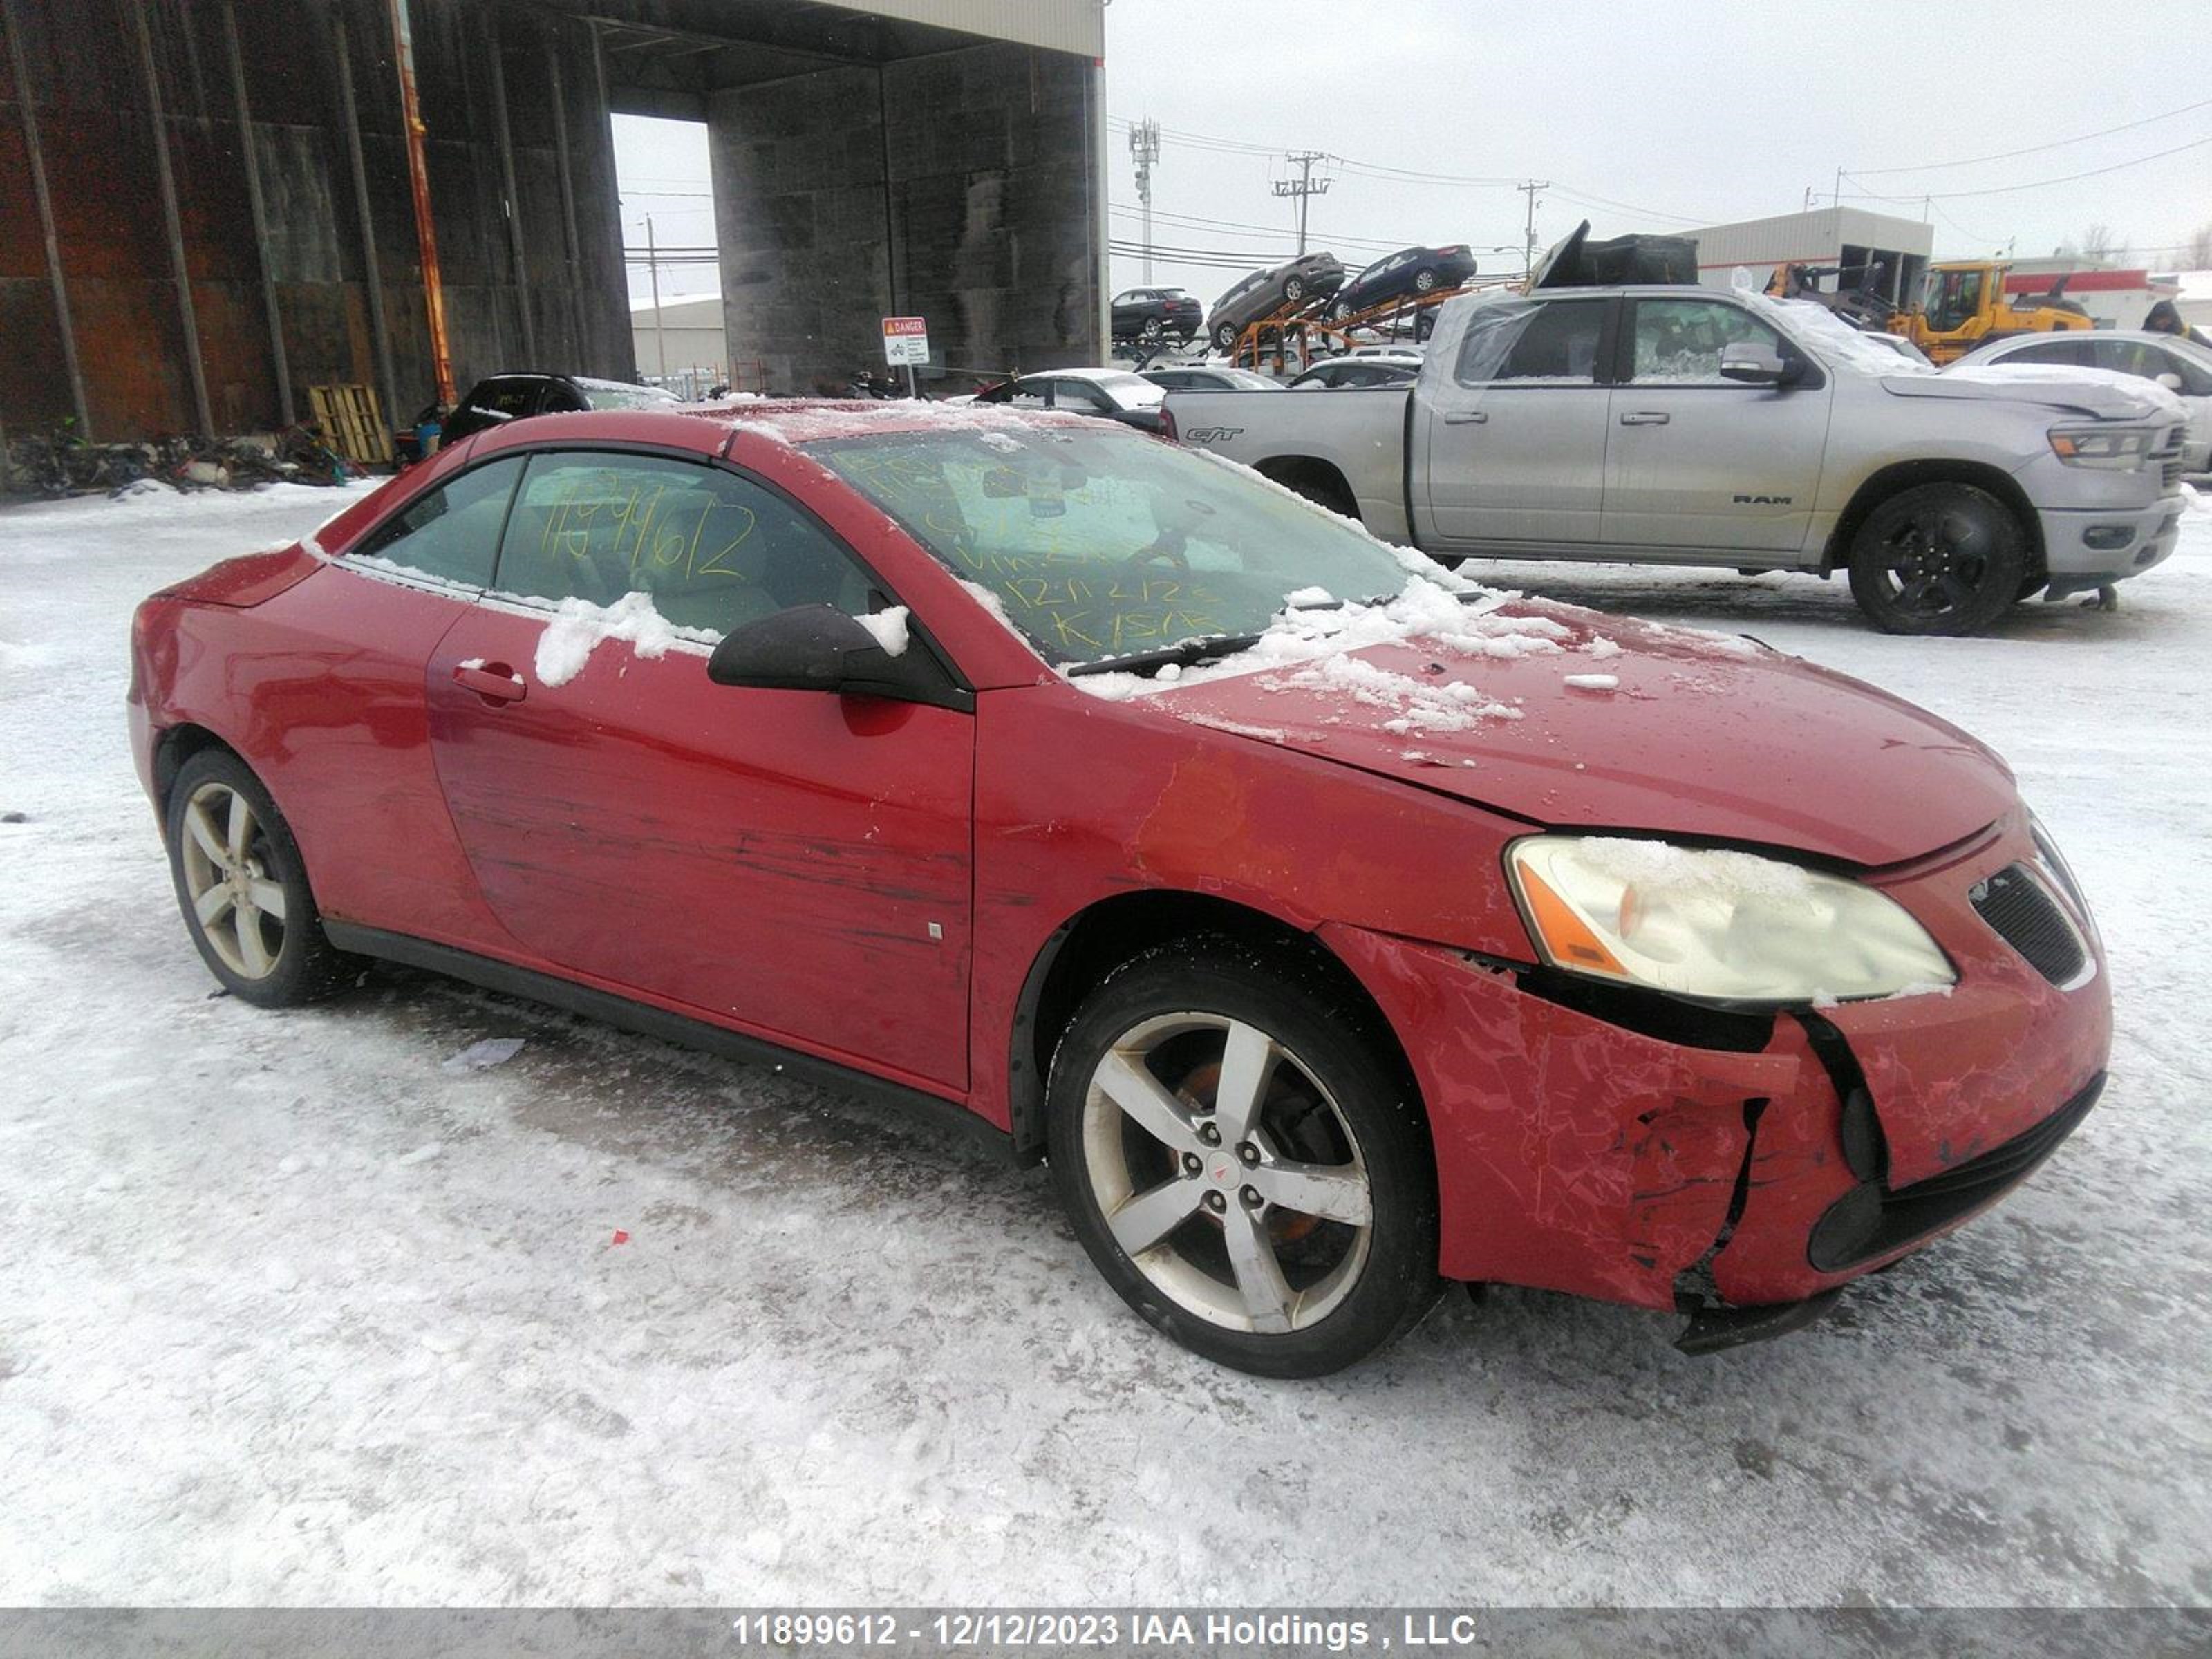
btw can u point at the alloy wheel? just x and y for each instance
(1936, 562)
(1226, 1173)
(232, 881)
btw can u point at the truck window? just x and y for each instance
(1548, 340)
(1679, 341)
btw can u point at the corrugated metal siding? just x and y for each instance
(1076, 26)
(1808, 238)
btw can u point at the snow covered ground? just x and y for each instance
(329, 1307)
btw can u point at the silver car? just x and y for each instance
(2182, 367)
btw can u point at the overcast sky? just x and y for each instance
(1643, 117)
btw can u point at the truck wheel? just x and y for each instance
(1939, 558)
(1320, 486)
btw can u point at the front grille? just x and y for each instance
(1871, 1220)
(2022, 912)
(2168, 455)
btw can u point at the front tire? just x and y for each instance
(1938, 559)
(1243, 1167)
(1294, 290)
(243, 888)
(1225, 337)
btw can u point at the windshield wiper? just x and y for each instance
(1181, 655)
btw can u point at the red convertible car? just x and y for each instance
(1336, 927)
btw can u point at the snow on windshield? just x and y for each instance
(1103, 545)
(1835, 340)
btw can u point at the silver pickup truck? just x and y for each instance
(1688, 426)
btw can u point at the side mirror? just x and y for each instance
(1753, 365)
(818, 647)
(2170, 381)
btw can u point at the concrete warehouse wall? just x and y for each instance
(503, 87)
(956, 186)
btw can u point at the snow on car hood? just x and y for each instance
(1569, 719)
(2083, 390)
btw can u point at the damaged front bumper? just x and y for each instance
(1740, 1167)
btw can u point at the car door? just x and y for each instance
(2150, 360)
(794, 863)
(1697, 464)
(348, 719)
(1514, 438)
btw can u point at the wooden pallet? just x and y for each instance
(352, 423)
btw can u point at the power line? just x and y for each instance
(1200, 222)
(1586, 199)
(2034, 184)
(1409, 175)
(2037, 149)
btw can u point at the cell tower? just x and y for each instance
(1145, 150)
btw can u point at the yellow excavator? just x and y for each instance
(1964, 304)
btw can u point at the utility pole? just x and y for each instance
(652, 264)
(1529, 190)
(1145, 150)
(1303, 185)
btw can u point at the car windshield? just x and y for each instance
(612, 394)
(1130, 391)
(1099, 545)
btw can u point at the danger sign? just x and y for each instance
(906, 341)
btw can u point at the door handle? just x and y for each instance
(1645, 417)
(1466, 416)
(492, 681)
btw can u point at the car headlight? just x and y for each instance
(1730, 926)
(2118, 452)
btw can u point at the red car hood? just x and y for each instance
(1700, 735)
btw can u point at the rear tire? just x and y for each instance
(243, 888)
(1938, 559)
(1152, 331)
(1246, 1172)
(1322, 492)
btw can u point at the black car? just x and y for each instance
(1406, 274)
(1209, 379)
(499, 398)
(1153, 314)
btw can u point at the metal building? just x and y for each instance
(1892, 252)
(206, 205)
